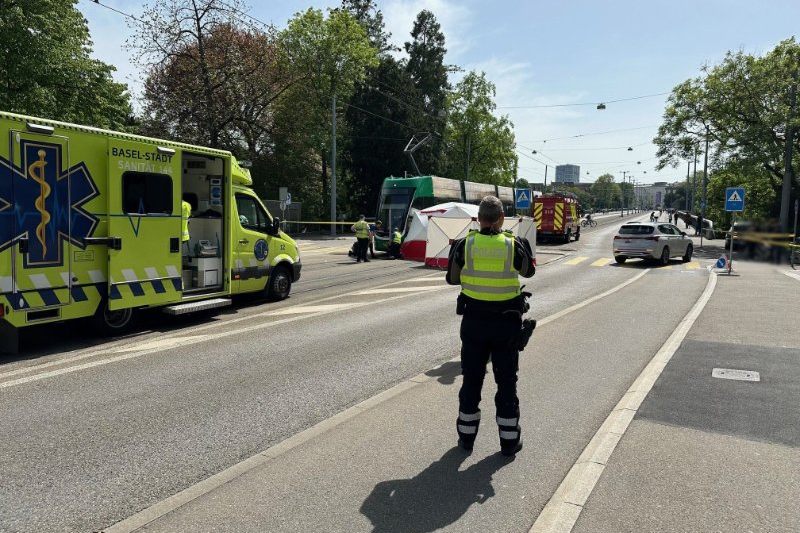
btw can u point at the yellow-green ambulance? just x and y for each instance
(91, 225)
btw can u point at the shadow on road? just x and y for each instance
(446, 373)
(436, 497)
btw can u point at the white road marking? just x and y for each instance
(161, 344)
(562, 511)
(136, 350)
(392, 290)
(317, 308)
(791, 274)
(157, 510)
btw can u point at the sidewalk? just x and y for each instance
(710, 454)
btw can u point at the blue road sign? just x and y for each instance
(734, 199)
(522, 198)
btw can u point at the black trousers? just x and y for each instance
(484, 337)
(361, 252)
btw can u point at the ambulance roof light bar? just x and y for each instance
(40, 128)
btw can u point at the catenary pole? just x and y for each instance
(333, 166)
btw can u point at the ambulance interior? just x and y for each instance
(203, 182)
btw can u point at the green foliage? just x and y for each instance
(606, 192)
(428, 73)
(479, 146)
(743, 107)
(46, 68)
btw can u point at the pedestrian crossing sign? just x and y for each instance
(734, 199)
(522, 198)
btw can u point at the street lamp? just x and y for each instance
(601, 106)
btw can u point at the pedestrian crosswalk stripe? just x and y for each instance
(576, 260)
(602, 262)
(694, 265)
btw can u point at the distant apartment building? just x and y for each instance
(568, 174)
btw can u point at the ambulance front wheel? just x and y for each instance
(280, 283)
(114, 322)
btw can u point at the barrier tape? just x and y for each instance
(313, 222)
(765, 238)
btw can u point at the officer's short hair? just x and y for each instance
(361, 217)
(490, 210)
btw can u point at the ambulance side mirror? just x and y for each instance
(275, 228)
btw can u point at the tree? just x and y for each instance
(373, 148)
(428, 73)
(606, 192)
(478, 145)
(743, 106)
(46, 68)
(370, 18)
(330, 56)
(206, 72)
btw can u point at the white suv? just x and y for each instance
(652, 240)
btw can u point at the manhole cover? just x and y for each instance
(739, 375)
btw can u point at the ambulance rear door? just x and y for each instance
(144, 221)
(42, 226)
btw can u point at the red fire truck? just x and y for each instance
(556, 217)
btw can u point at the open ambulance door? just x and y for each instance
(144, 225)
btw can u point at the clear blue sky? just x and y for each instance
(555, 52)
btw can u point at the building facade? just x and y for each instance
(568, 174)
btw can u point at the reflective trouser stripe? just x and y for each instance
(509, 435)
(507, 421)
(467, 430)
(463, 417)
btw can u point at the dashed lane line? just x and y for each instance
(564, 508)
(166, 506)
(603, 261)
(576, 260)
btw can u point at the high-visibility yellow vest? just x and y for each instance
(362, 229)
(397, 237)
(488, 272)
(186, 212)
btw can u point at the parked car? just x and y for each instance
(652, 240)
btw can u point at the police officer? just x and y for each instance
(487, 264)
(361, 229)
(394, 247)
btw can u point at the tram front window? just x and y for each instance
(394, 209)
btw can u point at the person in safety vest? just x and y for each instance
(186, 212)
(487, 264)
(361, 229)
(394, 247)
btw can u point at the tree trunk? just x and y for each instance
(324, 176)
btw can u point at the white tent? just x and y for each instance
(413, 246)
(415, 239)
(444, 228)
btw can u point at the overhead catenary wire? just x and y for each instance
(590, 134)
(576, 104)
(379, 116)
